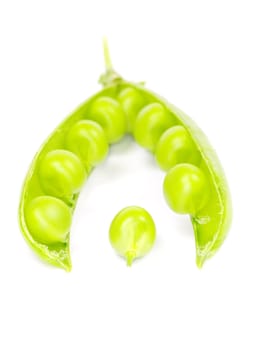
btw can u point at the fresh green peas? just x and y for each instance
(48, 219)
(176, 146)
(195, 183)
(150, 124)
(186, 189)
(132, 101)
(108, 113)
(61, 173)
(87, 139)
(132, 233)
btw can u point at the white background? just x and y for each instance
(201, 56)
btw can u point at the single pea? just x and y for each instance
(87, 139)
(186, 189)
(132, 233)
(151, 123)
(176, 146)
(132, 101)
(61, 173)
(108, 113)
(48, 219)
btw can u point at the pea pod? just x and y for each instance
(195, 183)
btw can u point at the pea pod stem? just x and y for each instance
(110, 76)
(107, 57)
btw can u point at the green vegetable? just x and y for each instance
(132, 101)
(88, 140)
(151, 123)
(195, 183)
(132, 233)
(108, 113)
(183, 149)
(186, 189)
(48, 219)
(61, 173)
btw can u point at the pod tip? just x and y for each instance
(65, 263)
(200, 259)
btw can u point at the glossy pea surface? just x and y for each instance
(186, 189)
(61, 173)
(88, 141)
(48, 219)
(132, 101)
(132, 233)
(176, 146)
(150, 124)
(109, 114)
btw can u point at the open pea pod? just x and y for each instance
(195, 183)
(212, 221)
(57, 173)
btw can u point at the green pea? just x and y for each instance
(132, 233)
(87, 139)
(176, 146)
(61, 173)
(186, 189)
(150, 124)
(202, 192)
(132, 101)
(48, 219)
(108, 113)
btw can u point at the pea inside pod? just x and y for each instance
(61, 173)
(175, 146)
(195, 183)
(48, 219)
(186, 189)
(151, 122)
(88, 141)
(132, 101)
(108, 112)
